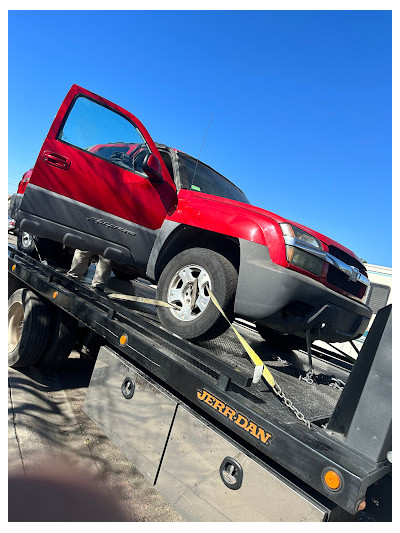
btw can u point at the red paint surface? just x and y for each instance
(232, 218)
(99, 183)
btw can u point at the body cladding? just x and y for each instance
(109, 225)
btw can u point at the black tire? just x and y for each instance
(122, 274)
(61, 341)
(203, 321)
(28, 328)
(281, 340)
(91, 345)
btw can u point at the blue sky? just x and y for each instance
(300, 101)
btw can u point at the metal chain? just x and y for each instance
(322, 379)
(308, 378)
(278, 391)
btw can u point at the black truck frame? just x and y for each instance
(350, 425)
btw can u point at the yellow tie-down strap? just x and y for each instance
(139, 299)
(260, 369)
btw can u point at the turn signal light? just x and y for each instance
(55, 294)
(332, 480)
(123, 339)
(13, 267)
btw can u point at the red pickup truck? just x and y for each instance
(100, 183)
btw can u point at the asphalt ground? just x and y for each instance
(48, 433)
(61, 466)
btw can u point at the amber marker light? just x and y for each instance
(332, 480)
(362, 505)
(123, 339)
(55, 294)
(13, 267)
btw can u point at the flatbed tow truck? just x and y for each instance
(214, 439)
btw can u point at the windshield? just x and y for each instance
(197, 176)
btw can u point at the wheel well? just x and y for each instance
(185, 237)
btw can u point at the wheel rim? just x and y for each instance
(15, 323)
(26, 239)
(188, 292)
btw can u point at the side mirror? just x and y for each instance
(152, 167)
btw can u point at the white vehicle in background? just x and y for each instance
(379, 294)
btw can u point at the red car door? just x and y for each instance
(88, 188)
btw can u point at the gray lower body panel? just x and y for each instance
(291, 302)
(87, 228)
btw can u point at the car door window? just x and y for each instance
(102, 132)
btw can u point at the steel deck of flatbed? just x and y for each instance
(222, 368)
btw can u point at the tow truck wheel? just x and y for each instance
(28, 325)
(280, 340)
(63, 335)
(184, 284)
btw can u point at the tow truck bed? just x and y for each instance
(211, 383)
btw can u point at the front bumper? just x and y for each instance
(292, 303)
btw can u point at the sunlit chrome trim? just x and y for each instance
(351, 271)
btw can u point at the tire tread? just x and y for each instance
(223, 271)
(35, 329)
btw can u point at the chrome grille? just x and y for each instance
(340, 280)
(348, 259)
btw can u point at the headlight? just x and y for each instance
(297, 233)
(297, 255)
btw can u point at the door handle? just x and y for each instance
(56, 160)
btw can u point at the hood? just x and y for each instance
(277, 218)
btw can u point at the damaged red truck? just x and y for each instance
(100, 183)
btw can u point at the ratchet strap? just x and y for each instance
(260, 369)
